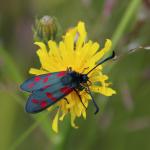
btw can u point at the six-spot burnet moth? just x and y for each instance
(47, 89)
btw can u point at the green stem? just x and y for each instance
(26, 133)
(10, 66)
(131, 9)
(24, 136)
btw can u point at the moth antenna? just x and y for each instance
(101, 62)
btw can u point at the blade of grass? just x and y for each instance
(26, 133)
(130, 11)
(7, 113)
(10, 66)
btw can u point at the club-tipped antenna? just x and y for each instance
(101, 62)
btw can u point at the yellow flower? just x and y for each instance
(76, 52)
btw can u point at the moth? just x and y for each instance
(47, 89)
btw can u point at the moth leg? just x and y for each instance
(85, 85)
(95, 104)
(66, 100)
(82, 85)
(80, 98)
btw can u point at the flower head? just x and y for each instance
(76, 52)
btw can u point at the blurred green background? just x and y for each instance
(124, 123)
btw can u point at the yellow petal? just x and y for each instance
(41, 45)
(103, 90)
(81, 58)
(69, 45)
(46, 62)
(64, 54)
(73, 117)
(84, 114)
(50, 108)
(103, 51)
(37, 71)
(62, 116)
(100, 78)
(78, 105)
(82, 34)
(69, 42)
(44, 59)
(54, 50)
(86, 53)
(85, 97)
(55, 122)
(72, 31)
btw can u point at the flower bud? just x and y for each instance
(45, 29)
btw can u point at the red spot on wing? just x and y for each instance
(37, 79)
(35, 101)
(45, 80)
(43, 104)
(66, 90)
(50, 95)
(45, 87)
(31, 85)
(49, 74)
(61, 74)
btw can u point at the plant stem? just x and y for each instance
(10, 66)
(131, 9)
